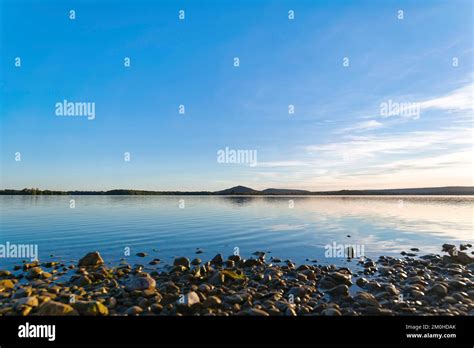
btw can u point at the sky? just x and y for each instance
(339, 64)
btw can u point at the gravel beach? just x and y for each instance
(409, 285)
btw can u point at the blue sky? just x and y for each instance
(337, 137)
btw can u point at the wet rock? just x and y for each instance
(250, 263)
(134, 310)
(361, 282)
(91, 308)
(438, 290)
(189, 299)
(141, 282)
(301, 277)
(341, 278)
(91, 259)
(6, 284)
(217, 260)
(417, 294)
(310, 274)
(34, 273)
(181, 261)
(46, 275)
(235, 258)
(23, 292)
(448, 247)
(142, 254)
(205, 288)
(27, 266)
(255, 312)
(50, 264)
(179, 268)
(217, 279)
(327, 282)
(233, 299)
(365, 299)
(212, 302)
(196, 261)
(456, 284)
(31, 301)
(56, 308)
(156, 308)
(5, 274)
(461, 257)
(260, 254)
(82, 281)
(392, 290)
(340, 290)
(331, 312)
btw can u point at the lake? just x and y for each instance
(296, 228)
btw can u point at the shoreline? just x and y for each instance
(425, 285)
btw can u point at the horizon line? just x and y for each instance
(245, 190)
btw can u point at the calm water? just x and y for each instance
(157, 225)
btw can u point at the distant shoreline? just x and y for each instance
(246, 191)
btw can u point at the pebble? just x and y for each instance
(212, 302)
(256, 312)
(31, 301)
(56, 308)
(134, 310)
(217, 260)
(91, 308)
(181, 261)
(331, 312)
(438, 290)
(91, 259)
(189, 299)
(365, 299)
(145, 282)
(340, 290)
(196, 261)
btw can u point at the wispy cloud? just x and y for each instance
(417, 158)
(358, 147)
(362, 127)
(460, 99)
(276, 164)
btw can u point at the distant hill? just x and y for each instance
(243, 190)
(238, 190)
